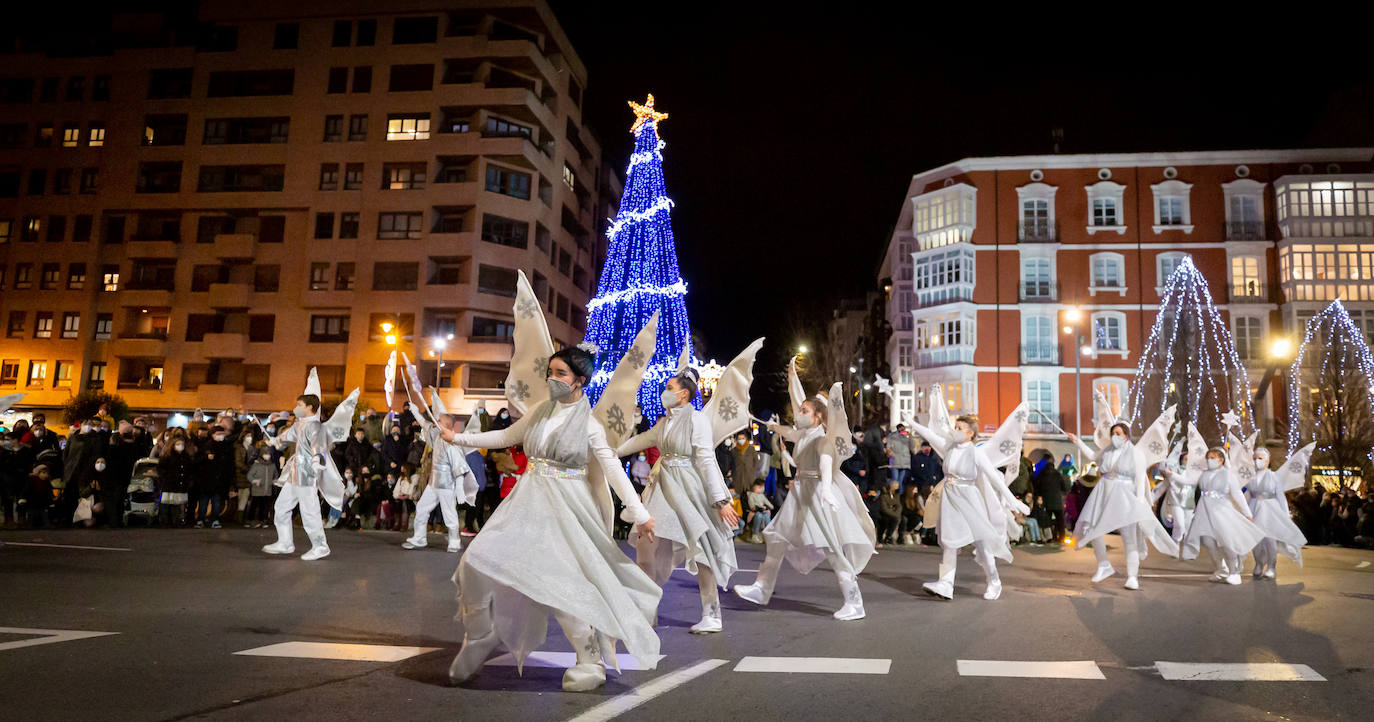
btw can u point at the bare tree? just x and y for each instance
(1331, 395)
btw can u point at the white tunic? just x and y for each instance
(817, 520)
(1119, 502)
(1270, 509)
(1220, 518)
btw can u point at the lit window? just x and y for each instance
(38, 372)
(408, 128)
(1107, 272)
(1166, 264)
(1109, 331)
(42, 325)
(71, 135)
(568, 177)
(1114, 389)
(97, 135)
(71, 325)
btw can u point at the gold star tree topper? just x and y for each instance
(645, 114)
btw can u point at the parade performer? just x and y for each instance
(310, 473)
(548, 549)
(1223, 522)
(1179, 493)
(1264, 491)
(1120, 501)
(687, 495)
(973, 505)
(449, 473)
(823, 518)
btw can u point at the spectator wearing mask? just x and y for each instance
(900, 446)
(261, 473)
(1050, 487)
(121, 453)
(404, 421)
(873, 447)
(371, 424)
(78, 462)
(357, 450)
(502, 419)
(639, 471)
(394, 448)
(174, 471)
(926, 469)
(744, 463)
(16, 460)
(214, 478)
(401, 492)
(89, 505)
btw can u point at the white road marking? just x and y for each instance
(1237, 672)
(1166, 576)
(49, 636)
(65, 546)
(1042, 670)
(329, 650)
(622, 703)
(1362, 565)
(628, 662)
(814, 665)
(683, 569)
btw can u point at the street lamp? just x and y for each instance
(439, 345)
(1074, 315)
(858, 372)
(801, 349)
(1280, 351)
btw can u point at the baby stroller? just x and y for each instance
(141, 501)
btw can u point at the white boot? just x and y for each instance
(989, 565)
(455, 544)
(762, 589)
(710, 603)
(316, 552)
(1104, 570)
(945, 586)
(479, 639)
(853, 601)
(279, 548)
(1132, 569)
(588, 674)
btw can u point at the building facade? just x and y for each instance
(1001, 270)
(191, 217)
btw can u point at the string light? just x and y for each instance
(1334, 335)
(641, 273)
(1212, 371)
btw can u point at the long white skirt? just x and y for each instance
(545, 549)
(1218, 518)
(688, 528)
(1275, 522)
(964, 520)
(809, 528)
(1113, 505)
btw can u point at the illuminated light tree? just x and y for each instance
(1331, 395)
(1190, 360)
(641, 274)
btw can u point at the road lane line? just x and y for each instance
(64, 546)
(814, 665)
(330, 650)
(1166, 576)
(48, 636)
(622, 703)
(1362, 565)
(1237, 672)
(1041, 670)
(562, 660)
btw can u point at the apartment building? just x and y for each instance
(192, 215)
(1001, 270)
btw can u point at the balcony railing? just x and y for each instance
(1038, 232)
(947, 356)
(1252, 292)
(1039, 292)
(929, 298)
(1244, 231)
(1040, 354)
(1039, 423)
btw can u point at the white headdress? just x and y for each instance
(312, 384)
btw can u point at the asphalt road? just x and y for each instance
(183, 602)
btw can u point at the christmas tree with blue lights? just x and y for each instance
(641, 275)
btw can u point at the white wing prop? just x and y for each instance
(938, 419)
(529, 361)
(9, 400)
(414, 390)
(1102, 420)
(1003, 448)
(1197, 454)
(795, 393)
(1154, 443)
(342, 419)
(1242, 457)
(615, 408)
(728, 409)
(1293, 473)
(838, 443)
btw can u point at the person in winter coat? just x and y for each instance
(745, 463)
(402, 492)
(394, 448)
(213, 479)
(357, 450)
(84, 446)
(913, 509)
(174, 472)
(856, 468)
(889, 513)
(38, 497)
(1050, 486)
(260, 477)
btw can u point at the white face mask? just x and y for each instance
(804, 421)
(1261, 462)
(85, 428)
(559, 390)
(669, 399)
(1117, 441)
(180, 447)
(100, 466)
(1213, 464)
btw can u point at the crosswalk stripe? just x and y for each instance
(1237, 672)
(622, 703)
(1085, 669)
(628, 662)
(46, 636)
(64, 546)
(814, 665)
(330, 650)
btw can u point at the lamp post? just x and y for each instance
(1075, 316)
(1280, 350)
(858, 372)
(439, 345)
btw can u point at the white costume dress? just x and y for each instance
(309, 469)
(1180, 500)
(1222, 520)
(548, 549)
(822, 519)
(1120, 502)
(1269, 508)
(683, 498)
(449, 476)
(974, 508)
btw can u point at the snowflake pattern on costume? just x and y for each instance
(520, 391)
(1244, 472)
(837, 403)
(1008, 447)
(635, 357)
(527, 307)
(615, 419)
(541, 365)
(1156, 447)
(729, 409)
(842, 448)
(1021, 416)
(1295, 467)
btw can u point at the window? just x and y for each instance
(1037, 212)
(455, 120)
(1244, 210)
(343, 34)
(569, 178)
(367, 35)
(348, 225)
(169, 83)
(9, 372)
(362, 79)
(57, 229)
(491, 329)
(1247, 336)
(329, 329)
(33, 225)
(205, 275)
(496, 280)
(505, 231)
(319, 276)
(943, 340)
(1326, 271)
(38, 180)
(345, 276)
(409, 78)
(153, 275)
(52, 272)
(95, 379)
(1172, 207)
(228, 178)
(413, 31)
(257, 378)
(944, 275)
(1107, 272)
(451, 170)
(71, 325)
(104, 326)
(448, 219)
(62, 181)
(15, 329)
(48, 94)
(1040, 398)
(1104, 202)
(286, 36)
(218, 39)
(43, 138)
(96, 135)
(6, 230)
(262, 328)
(508, 182)
(109, 279)
(76, 88)
(81, 229)
(333, 128)
(1038, 340)
(324, 225)
(160, 177)
(1109, 331)
(338, 81)
(42, 324)
(266, 278)
(357, 127)
(12, 135)
(76, 276)
(498, 128)
(945, 216)
(246, 131)
(353, 177)
(399, 225)
(407, 127)
(1165, 265)
(389, 276)
(100, 91)
(1037, 279)
(38, 372)
(90, 180)
(1104, 212)
(403, 176)
(245, 83)
(1245, 278)
(1114, 389)
(445, 271)
(9, 182)
(329, 176)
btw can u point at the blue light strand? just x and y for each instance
(640, 276)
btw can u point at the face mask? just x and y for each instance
(804, 421)
(669, 399)
(741, 443)
(505, 415)
(85, 428)
(100, 466)
(180, 447)
(1117, 441)
(1261, 462)
(559, 390)
(641, 457)
(1213, 464)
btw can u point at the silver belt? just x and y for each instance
(1119, 477)
(958, 481)
(562, 471)
(1265, 496)
(808, 475)
(1215, 495)
(676, 460)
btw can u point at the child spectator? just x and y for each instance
(760, 512)
(260, 477)
(38, 497)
